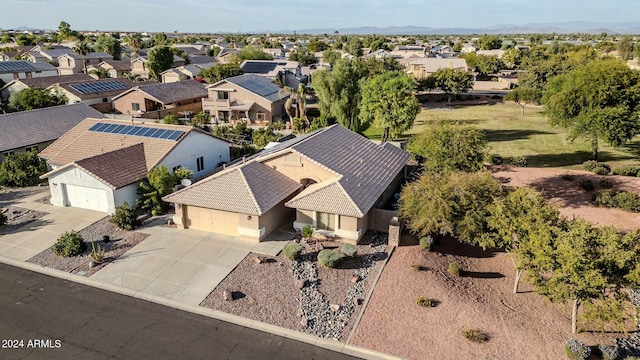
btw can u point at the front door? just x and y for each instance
(326, 221)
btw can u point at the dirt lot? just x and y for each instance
(520, 326)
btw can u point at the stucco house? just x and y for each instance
(332, 179)
(139, 65)
(249, 97)
(423, 67)
(97, 164)
(23, 69)
(36, 129)
(74, 63)
(40, 83)
(114, 68)
(186, 72)
(155, 101)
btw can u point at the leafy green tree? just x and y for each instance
(160, 59)
(453, 203)
(471, 58)
(304, 57)
(220, 71)
(330, 56)
(316, 46)
(108, 44)
(125, 217)
(522, 96)
(251, 52)
(453, 81)
(214, 51)
(489, 42)
(376, 66)
(511, 57)
(354, 46)
(338, 92)
(599, 100)
(22, 169)
(450, 146)
(35, 98)
(159, 39)
(159, 182)
(625, 48)
(388, 102)
(134, 41)
(25, 39)
(82, 48)
(64, 31)
(487, 64)
(262, 136)
(171, 119)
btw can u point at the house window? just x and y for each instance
(175, 168)
(261, 116)
(223, 95)
(104, 100)
(326, 221)
(28, 74)
(135, 106)
(7, 153)
(200, 163)
(15, 76)
(31, 148)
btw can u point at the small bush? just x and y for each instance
(125, 217)
(568, 177)
(589, 165)
(475, 335)
(494, 159)
(328, 258)
(576, 349)
(455, 269)
(596, 167)
(608, 352)
(586, 185)
(520, 161)
(348, 249)
(69, 244)
(425, 301)
(97, 252)
(416, 267)
(426, 243)
(617, 199)
(307, 231)
(602, 170)
(292, 251)
(627, 171)
(606, 183)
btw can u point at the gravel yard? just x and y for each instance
(120, 241)
(18, 217)
(302, 295)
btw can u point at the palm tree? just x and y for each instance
(134, 41)
(83, 49)
(299, 96)
(132, 76)
(100, 73)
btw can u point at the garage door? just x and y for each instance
(86, 197)
(216, 221)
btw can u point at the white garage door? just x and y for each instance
(86, 197)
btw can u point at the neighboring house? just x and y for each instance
(41, 54)
(97, 164)
(378, 54)
(468, 48)
(249, 97)
(73, 63)
(34, 130)
(332, 179)
(139, 65)
(408, 51)
(496, 52)
(40, 83)
(23, 69)
(98, 94)
(442, 51)
(288, 73)
(158, 100)
(226, 55)
(421, 68)
(277, 53)
(186, 72)
(114, 68)
(202, 60)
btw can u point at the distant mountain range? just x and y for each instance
(533, 28)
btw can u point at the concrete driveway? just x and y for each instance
(183, 265)
(41, 234)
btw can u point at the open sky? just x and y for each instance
(262, 15)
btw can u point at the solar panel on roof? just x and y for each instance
(258, 67)
(13, 66)
(95, 87)
(137, 131)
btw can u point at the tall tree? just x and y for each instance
(108, 44)
(522, 96)
(134, 41)
(160, 59)
(488, 65)
(35, 98)
(388, 102)
(82, 49)
(354, 46)
(220, 71)
(303, 56)
(597, 101)
(22, 169)
(330, 56)
(251, 52)
(453, 81)
(489, 42)
(64, 31)
(449, 146)
(625, 48)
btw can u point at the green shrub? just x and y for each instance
(426, 243)
(425, 301)
(576, 349)
(475, 335)
(307, 231)
(627, 171)
(568, 177)
(494, 159)
(520, 161)
(328, 258)
(125, 217)
(606, 183)
(97, 252)
(69, 244)
(586, 185)
(596, 167)
(617, 199)
(589, 165)
(608, 352)
(292, 251)
(348, 249)
(454, 269)
(22, 169)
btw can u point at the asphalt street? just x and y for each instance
(43, 317)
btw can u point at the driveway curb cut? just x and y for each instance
(215, 314)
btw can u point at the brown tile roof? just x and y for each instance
(315, 198)
(167, 93)
(120, 65)
(28, 128)
(80, 143)
(252, 188)
(116, 168)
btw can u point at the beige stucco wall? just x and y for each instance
(276, 217)
(304, 216)
(303, 168)
(216, 221)
(240, 95)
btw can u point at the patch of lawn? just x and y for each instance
(512, 134)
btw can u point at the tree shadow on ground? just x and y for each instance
(481, 274)
(569, 192)
(510, 135)
(451, 246)
(574, 158)
(361, 261)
